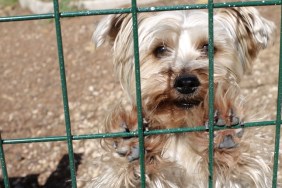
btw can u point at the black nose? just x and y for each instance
(186, 84)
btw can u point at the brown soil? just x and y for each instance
(30, 92)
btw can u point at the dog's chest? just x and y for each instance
(178, 150)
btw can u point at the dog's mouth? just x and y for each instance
(186, 104)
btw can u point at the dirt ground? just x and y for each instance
(31, 102)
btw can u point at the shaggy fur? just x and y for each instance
(174, 82)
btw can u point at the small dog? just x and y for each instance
(174, 67)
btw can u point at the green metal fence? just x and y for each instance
(134, 10)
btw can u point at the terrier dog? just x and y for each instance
(174, 65)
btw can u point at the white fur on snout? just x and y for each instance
(186, 51)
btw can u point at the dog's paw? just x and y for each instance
(229, 138)
(229, 119)
(127, 146)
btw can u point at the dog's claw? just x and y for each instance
(231, 119)
(207, 125)
(217, 120)
(239, 132)
(126, 149)
(123, 125)
(131, 153)
(122, 150)
(235, 121)
(220, 122)
(134, 153)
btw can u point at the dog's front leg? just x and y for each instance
(125, 121)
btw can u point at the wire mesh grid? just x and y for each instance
(134, 10)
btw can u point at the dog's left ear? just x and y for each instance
(250, 31)
(109, 28)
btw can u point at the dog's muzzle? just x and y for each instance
(187, 84)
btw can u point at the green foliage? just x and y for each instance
(65, 6)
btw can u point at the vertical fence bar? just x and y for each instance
(64, 92)
(211, 91)
(278, 113)
(138, 93)
(3, 165)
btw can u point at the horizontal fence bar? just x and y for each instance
(34, 139)
(64, 14)
(133, 134)
(205, 6)
(140, 9)
(247, 3)
(96, 12)
(26, 17)
(64, 138)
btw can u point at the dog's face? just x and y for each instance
(174, 61)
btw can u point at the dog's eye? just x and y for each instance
(161, 51)
(205, 48)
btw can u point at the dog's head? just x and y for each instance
(173, 49)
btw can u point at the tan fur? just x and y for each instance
(181, 160)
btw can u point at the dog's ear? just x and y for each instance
(108, 28)
(250, 31)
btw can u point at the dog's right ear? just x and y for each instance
(109, 27)
(251, 32)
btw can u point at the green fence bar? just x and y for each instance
(3, 165)
(64, 92)
(26, 17)
(131, 134)
(138, 94)
(205, 6)
(211, 91)
(140, 9)
(278, 113)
